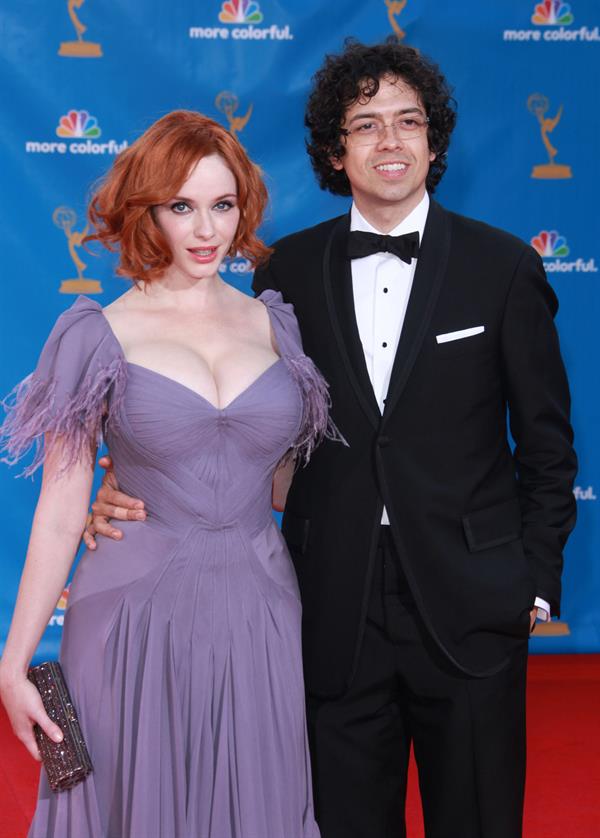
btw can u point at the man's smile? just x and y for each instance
(391, 167)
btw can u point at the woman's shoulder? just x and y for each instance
(80, 333)
(121, 305)
(83, 319)
(79, 366)
(284, 322)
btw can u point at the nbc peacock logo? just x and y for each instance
(553, 21)
(63, 600)
(241, 18)
(240, 11)
(552, 13)
(61, 606)
(553, 248)
(78, 124)
(550, 243)
(80, 129)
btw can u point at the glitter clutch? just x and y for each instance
(66, 762)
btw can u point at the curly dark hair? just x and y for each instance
(356, 72)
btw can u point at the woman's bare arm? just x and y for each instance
(55, 534)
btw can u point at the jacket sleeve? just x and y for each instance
(539, 413)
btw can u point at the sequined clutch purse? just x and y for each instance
(66, 762)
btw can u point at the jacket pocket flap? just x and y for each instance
(295, 531)
(495, 525)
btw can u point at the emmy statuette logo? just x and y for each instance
(394, 8)
(79, 48)
(538, 105)
(228, 104)
(556, 628)
(66, 218)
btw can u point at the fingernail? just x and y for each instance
(58, 737)
(116, 534)
(140, 516)
(138, 505)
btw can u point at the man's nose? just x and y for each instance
(389, 136)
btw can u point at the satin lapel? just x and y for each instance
(431, 267)
(337, 278)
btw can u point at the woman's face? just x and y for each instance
(200, 222)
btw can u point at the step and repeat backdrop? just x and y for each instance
(83, 78)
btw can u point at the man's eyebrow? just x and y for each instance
(377, 115)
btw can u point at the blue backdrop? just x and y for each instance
(83, 79)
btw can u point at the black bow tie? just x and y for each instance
(361, 244)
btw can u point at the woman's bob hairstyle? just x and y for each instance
(150, 172)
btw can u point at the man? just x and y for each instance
(423, 549)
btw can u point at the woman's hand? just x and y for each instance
(24, 709)
(110, 503)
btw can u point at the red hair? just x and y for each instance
(150, 172)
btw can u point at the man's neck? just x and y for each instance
(388, 217)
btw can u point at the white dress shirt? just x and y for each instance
(381, 286)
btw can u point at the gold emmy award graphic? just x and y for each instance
(538, 105)
(554, 629)
(394, 8)
(228, 104)
(79, 48)
(65, 218)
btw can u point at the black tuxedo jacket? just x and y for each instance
(479, 529)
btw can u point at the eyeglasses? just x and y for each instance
(371, 131)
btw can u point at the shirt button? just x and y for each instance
(385, 290)
(384, 344)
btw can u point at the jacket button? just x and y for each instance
(383, 441)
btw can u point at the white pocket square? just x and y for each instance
(462, 333)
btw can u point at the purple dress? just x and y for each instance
(181, 642)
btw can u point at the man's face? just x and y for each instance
(388, 177)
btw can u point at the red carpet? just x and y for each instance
(563, 785)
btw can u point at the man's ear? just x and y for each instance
(432, 156)
(336, 163)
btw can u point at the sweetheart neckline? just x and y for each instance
(174, 380)
(198, 395)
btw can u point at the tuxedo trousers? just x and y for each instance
(468, 734)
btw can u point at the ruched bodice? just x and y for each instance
(181, 643)
(214, 465)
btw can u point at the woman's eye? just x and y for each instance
(180, 207)
(223, 206)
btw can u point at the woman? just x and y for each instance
(181, 643)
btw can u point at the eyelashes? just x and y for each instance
(182, 207)
(179, 207)
(224, 205)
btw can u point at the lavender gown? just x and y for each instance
(181, 643)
